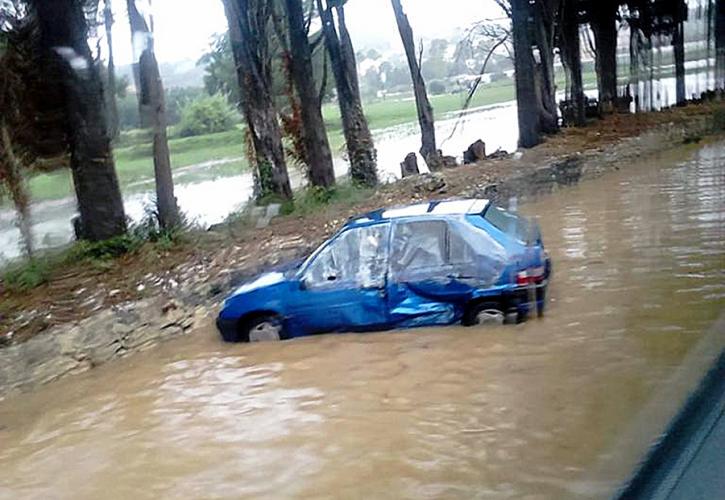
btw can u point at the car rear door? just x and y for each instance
(436, 267)
(344, 287)
(420, 290)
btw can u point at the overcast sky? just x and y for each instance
(184, 27)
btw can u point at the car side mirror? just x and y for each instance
(303, 283)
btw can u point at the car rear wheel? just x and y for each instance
(485, 314)
(263, 329)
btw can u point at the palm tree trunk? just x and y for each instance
(152, 109)
(428, 148)
(322, 172)
(63, 25)
(360, 149)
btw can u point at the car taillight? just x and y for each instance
(530, 276)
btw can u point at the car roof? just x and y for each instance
(439, 208)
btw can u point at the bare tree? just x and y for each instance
(428, 148)
(152, 109)
(319, 156)
(526, 98)
(360, 148)
(248, 30)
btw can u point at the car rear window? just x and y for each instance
(509, 223)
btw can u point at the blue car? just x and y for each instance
(435, 263)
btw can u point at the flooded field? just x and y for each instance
(560, 407)
(210, 198)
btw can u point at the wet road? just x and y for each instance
(559, 407)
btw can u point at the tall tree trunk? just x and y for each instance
(526, 100)
(428, 149)
(603, 22)
(571, 58)
(248, 39)
(348, 52)
(112, 106)
(64, 40)
(544, 12)
(152, 109)
(322, 172)
(678, 46)
(634, 64)
(720, 44)
(17, 186)
(360, 148)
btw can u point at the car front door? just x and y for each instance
(344, 287)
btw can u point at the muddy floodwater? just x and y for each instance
(560, 407)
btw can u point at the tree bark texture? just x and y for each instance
(544, 12)
(571, 58)
(64, 39)
(526, 99)
(152, 110)
(720, 44)
(18, 188)
(603, 21)
(360, 148)
(248, 36)
(321, 171)
(634, 64)
(678, 46)
(428, 149)
(112, 105)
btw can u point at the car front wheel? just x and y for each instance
(263, 329)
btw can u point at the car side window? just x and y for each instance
(418, 249)
(355, 259)
(460, 251)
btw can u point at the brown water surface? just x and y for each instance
(558, 407)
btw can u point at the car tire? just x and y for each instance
(484, 313)
(265, 328)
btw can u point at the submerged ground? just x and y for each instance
(77, 288)
(560, 407)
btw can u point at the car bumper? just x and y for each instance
(228, 328)
(523, 299)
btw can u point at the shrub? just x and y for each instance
(437, 87)
(206, 115)
(718, 119)
(27, 275)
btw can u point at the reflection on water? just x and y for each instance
(540, 410)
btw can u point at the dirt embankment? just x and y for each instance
(185, 282)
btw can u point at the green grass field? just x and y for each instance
(134, 163)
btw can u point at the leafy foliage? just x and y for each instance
(206, 115)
